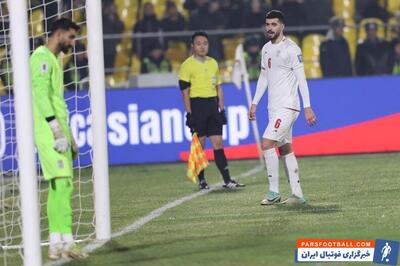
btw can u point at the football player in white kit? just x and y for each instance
(282, 72)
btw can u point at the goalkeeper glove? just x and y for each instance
(61, 144)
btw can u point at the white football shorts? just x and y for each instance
(280, 126)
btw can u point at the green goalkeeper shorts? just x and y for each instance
(53, 164)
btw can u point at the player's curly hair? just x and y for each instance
(276, 14)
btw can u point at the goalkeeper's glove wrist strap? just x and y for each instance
(50, 118)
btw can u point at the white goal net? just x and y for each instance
(40, 14)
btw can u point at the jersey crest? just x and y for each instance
(44, 67)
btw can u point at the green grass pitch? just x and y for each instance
(348, 197)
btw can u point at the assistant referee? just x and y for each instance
(199, 81)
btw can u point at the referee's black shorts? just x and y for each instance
(206, 117)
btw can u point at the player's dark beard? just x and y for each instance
(274, 36)
(64, 48)
(267, 34)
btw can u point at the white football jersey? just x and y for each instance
(282, 71)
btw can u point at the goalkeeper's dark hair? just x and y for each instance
(276, 14)
(63, 24)
(199, 33)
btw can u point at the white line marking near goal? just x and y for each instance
(151, 216)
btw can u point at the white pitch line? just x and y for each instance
(151, 216)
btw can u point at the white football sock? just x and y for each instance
(272, 161)
(68, 240)
(55, 240)
(292, 171)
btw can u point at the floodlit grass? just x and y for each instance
(348, 197)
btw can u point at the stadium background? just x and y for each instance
(349, 197)
(357, 114)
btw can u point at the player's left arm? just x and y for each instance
(298, 69)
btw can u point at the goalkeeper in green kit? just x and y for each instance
(54, 141)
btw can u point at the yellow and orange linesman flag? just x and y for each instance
(197, 159)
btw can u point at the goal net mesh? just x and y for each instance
(40, 15)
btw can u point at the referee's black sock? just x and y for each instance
(201, 176)
(222, 164)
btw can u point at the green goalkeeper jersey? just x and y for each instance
(47, 89)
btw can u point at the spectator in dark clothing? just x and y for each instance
(111, 25)
(318, 12)
(6, 73)
(252, 55)
(76, 73)
(51, 10)
(204, 18)
(254, 15)
(218, 22)
(231, 10)
(395, 35)
(190, 5)
(294, 10)
(212, 14)
(335, 58)
(155, 62)
(295, 15)
(395, 30)
(373, 55)
(173, 21)
(396, 63)
(198, 18)
(216, 15)
(148, 24)
(50, 13)
(370, 9)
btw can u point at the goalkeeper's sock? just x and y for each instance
(68, 239)
(272, 162)
(55, 239)
(201, 176)
(55, 247)
(222, 164)
(292, 171)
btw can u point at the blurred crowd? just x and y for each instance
(338, 38)
(374, 54)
